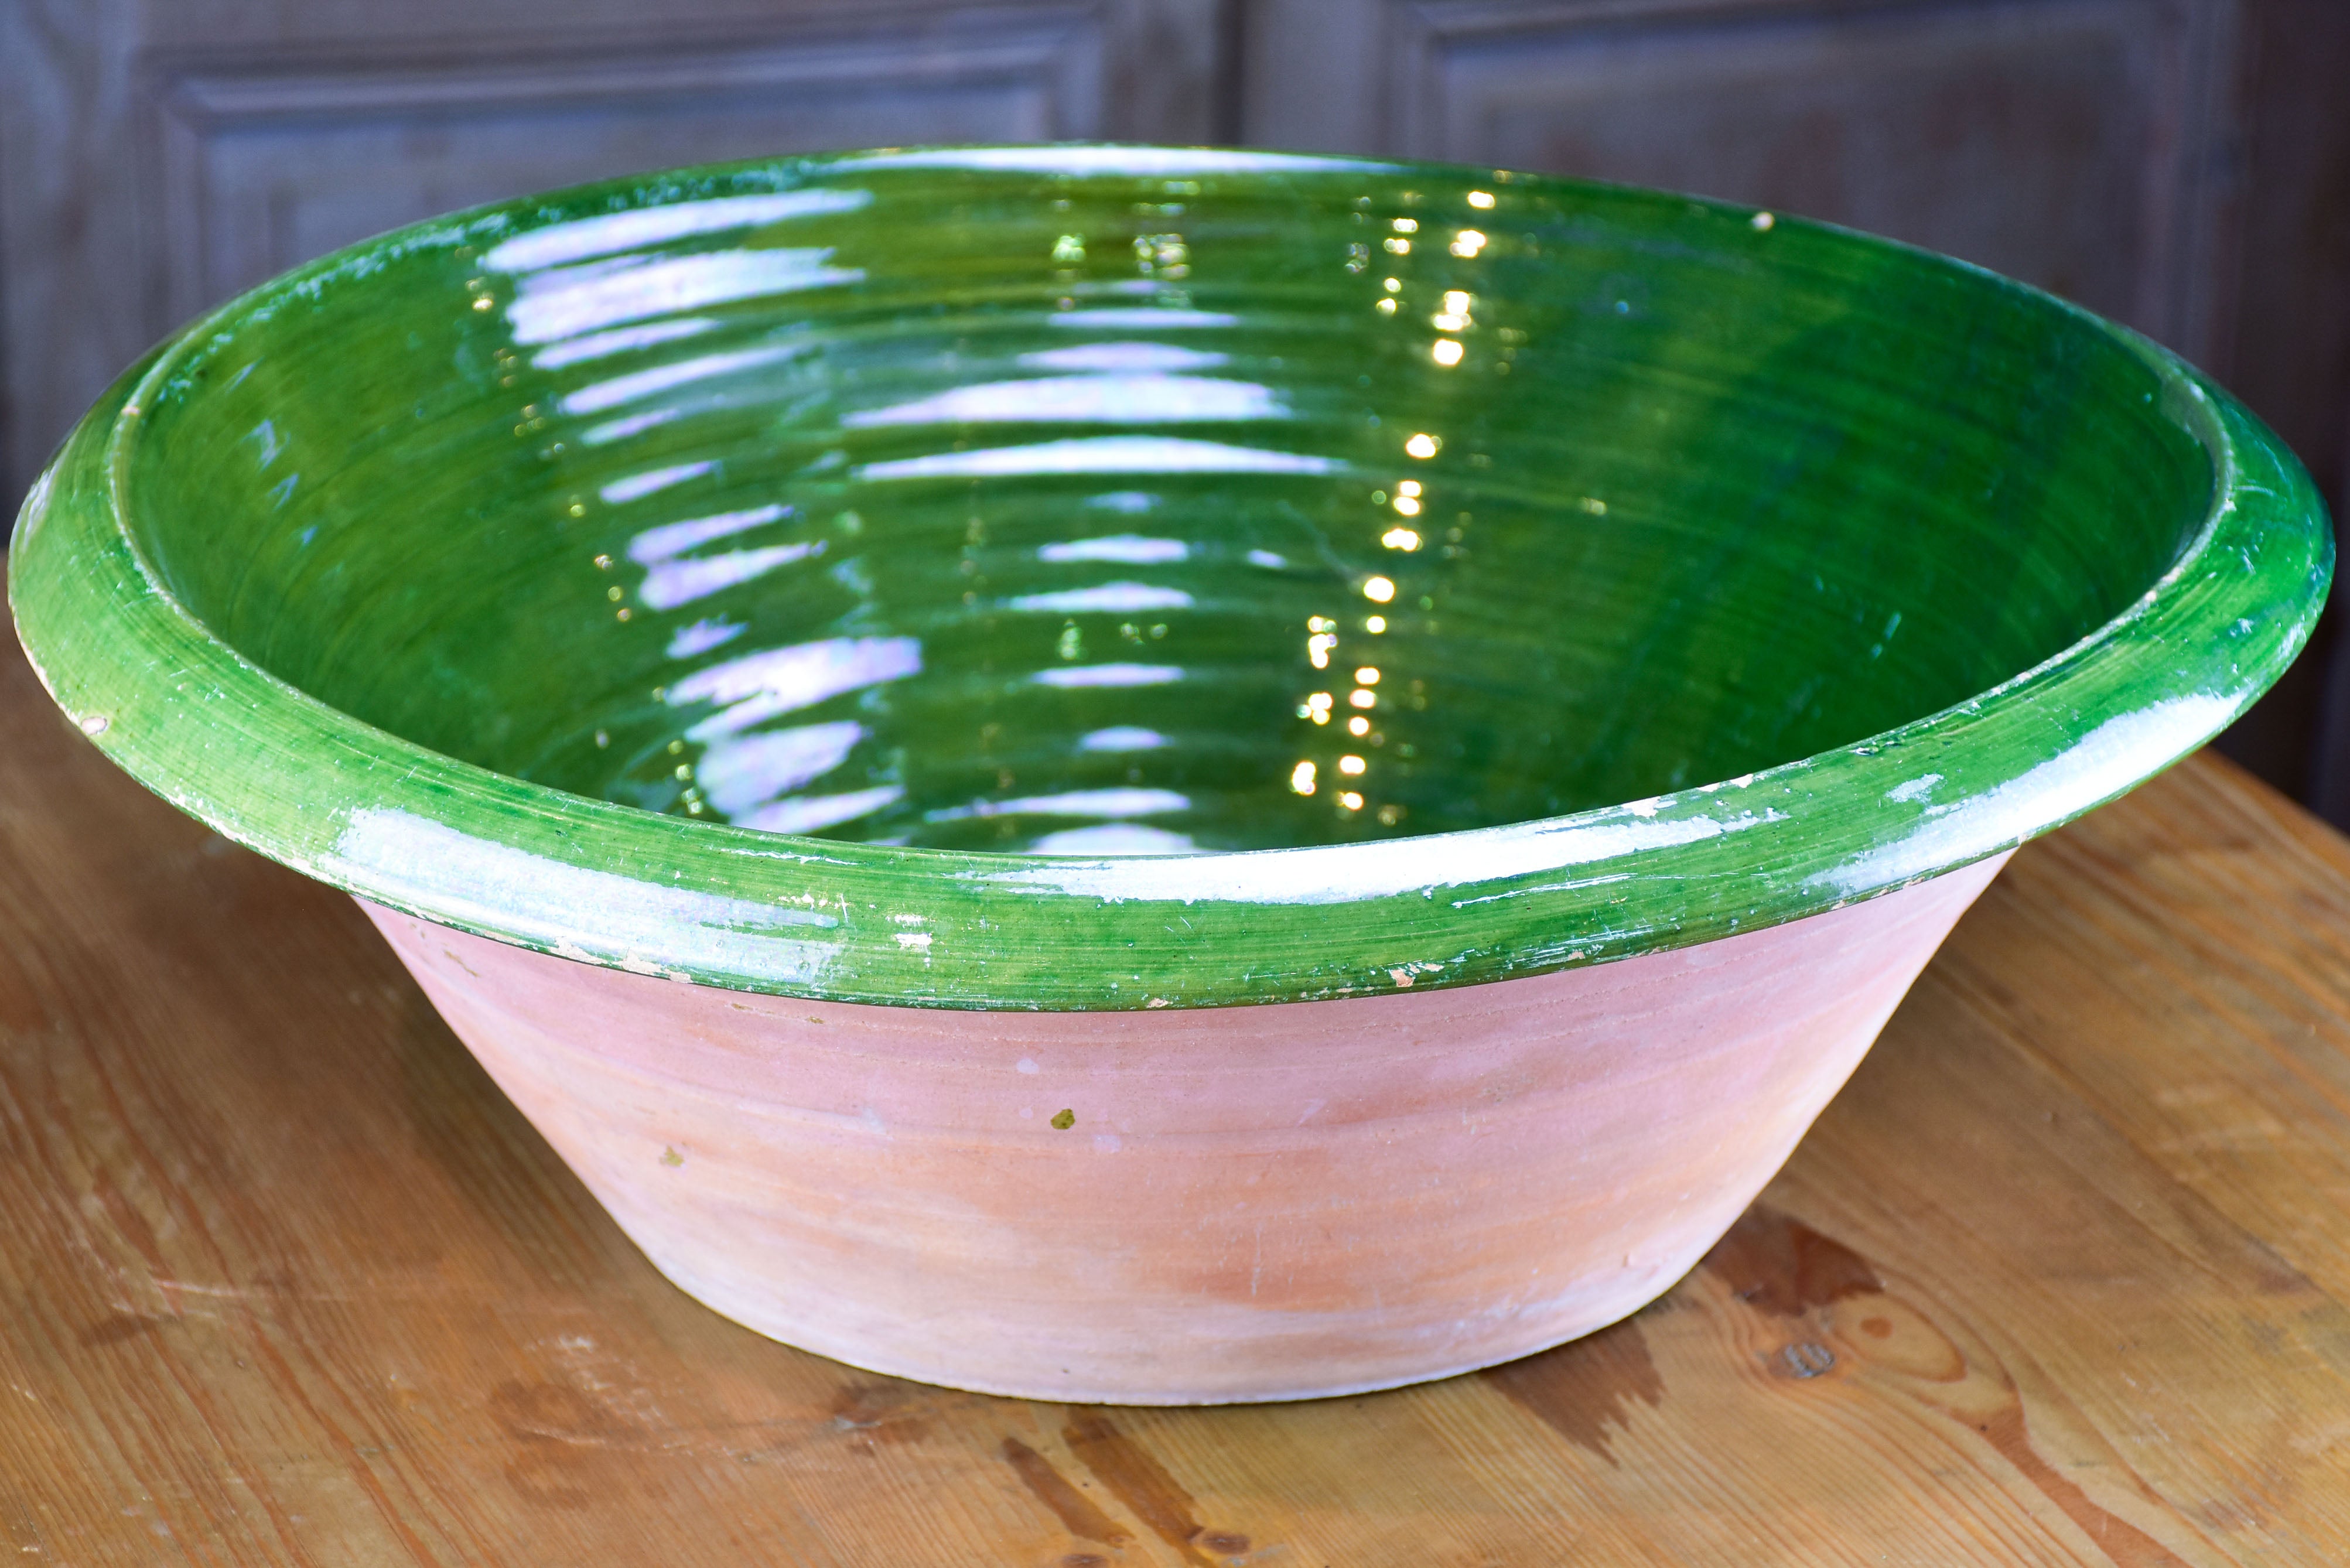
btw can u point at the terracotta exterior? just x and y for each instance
(1248, 1203)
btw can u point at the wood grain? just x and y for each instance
(2059, 1278)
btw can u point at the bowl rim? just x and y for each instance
(270, 767)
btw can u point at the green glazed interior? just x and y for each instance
(1585, 570)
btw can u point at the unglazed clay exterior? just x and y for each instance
(1248, 1202)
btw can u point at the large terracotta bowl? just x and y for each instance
(1146, 775)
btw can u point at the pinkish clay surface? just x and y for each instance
(1244, 1203)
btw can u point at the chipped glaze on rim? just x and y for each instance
(352, 805)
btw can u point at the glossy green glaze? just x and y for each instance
(1528, 573)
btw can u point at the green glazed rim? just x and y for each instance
(352, 805)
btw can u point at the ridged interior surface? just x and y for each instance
(1085, 506)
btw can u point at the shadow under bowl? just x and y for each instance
(1114, 773)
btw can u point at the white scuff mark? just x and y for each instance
(1913, 789)
(404, 858)
(2104, 763)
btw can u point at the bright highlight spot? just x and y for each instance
(1351, 801)
(1423, 445)
(1301, 778)
(1468, 242)
(1351, 765)
(1445, 352)
(1358, 725)
(1378, 590)
(1481, 199)
(1366, 676)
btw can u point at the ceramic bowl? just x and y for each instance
(1124, 774)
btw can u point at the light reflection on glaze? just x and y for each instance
(1122, 318)
(664, 540)
(672, 582)
(1165, 163)
(620, 340)
(1126, 358)
(813, 813)
(1100, 454)
(1125, 549)
(757, 687)
(701, 636)
(1109, 802)
(1114, 838)
(1110, 599)
(1094, 675)
(740, 773)
(1122, 738)
(582, 238)
(635, 487)
(642, 384)
(1116, 399)
(571, 301)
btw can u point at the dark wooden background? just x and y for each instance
(2182, 165)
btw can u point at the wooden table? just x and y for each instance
(2059, 1278)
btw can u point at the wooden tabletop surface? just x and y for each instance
(2059, 1278)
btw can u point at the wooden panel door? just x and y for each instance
(157, 158)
